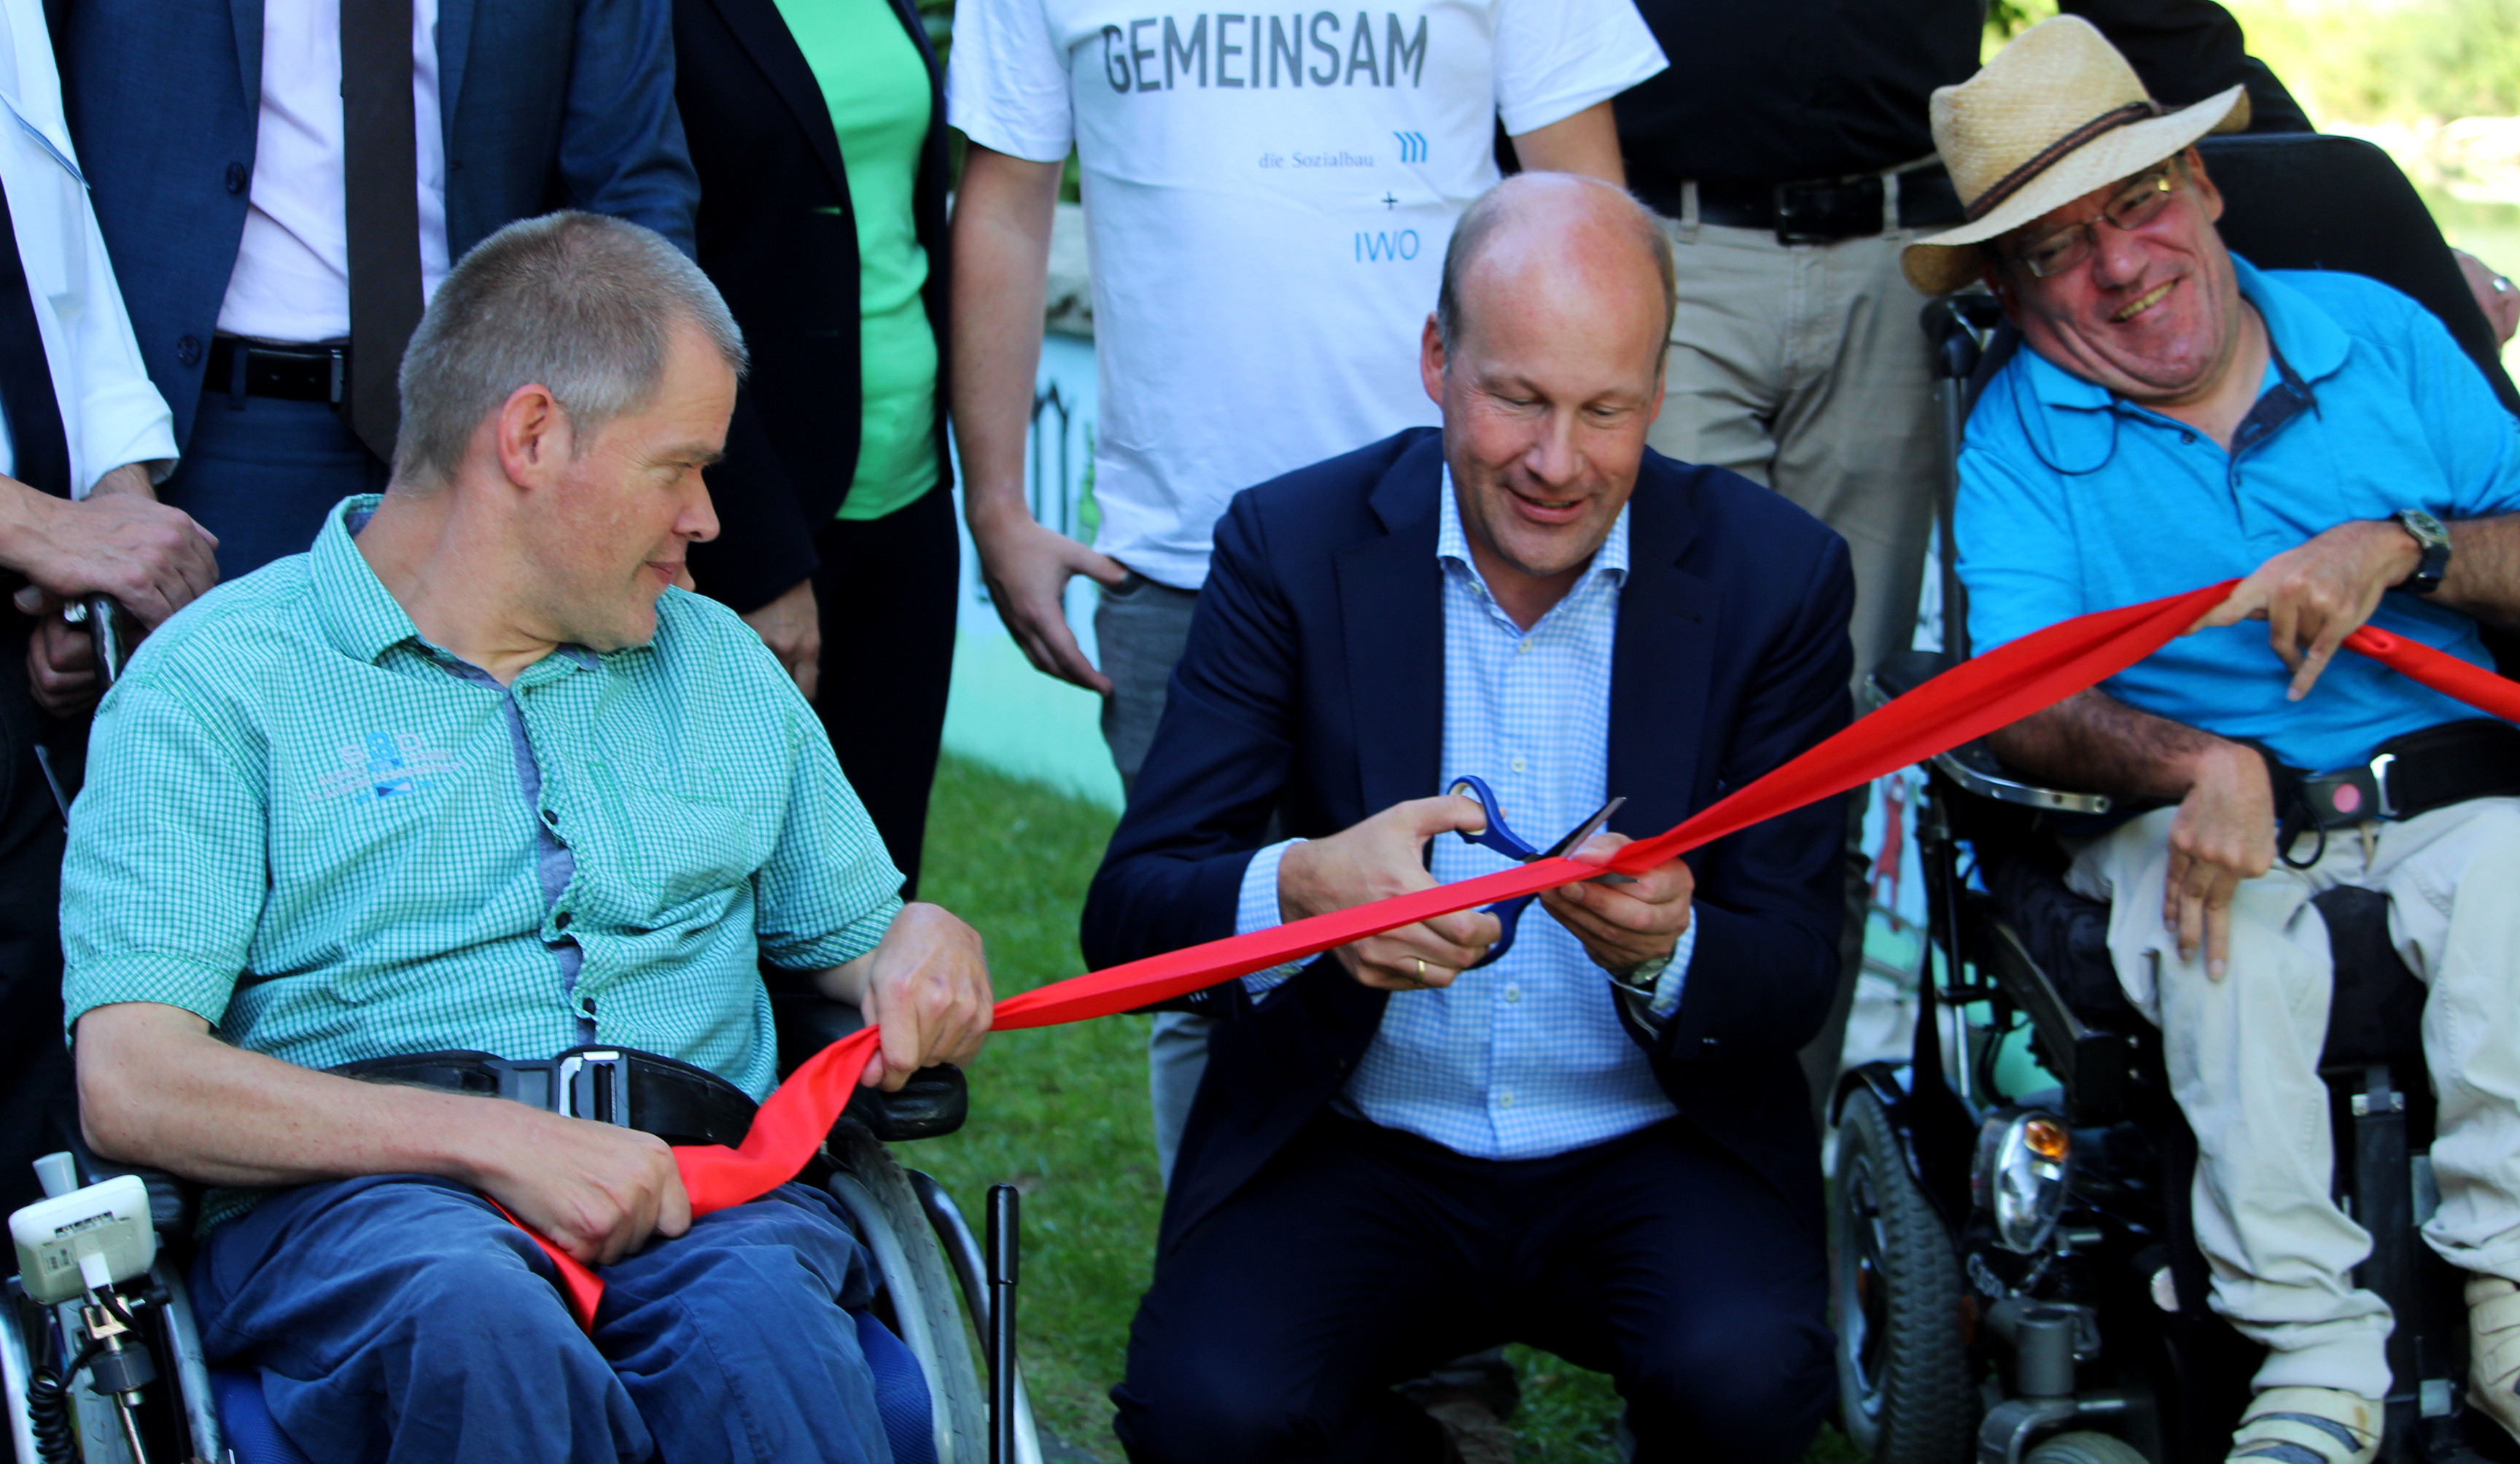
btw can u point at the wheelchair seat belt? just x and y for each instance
(675, 1101)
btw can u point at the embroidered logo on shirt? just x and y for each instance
(387, 765)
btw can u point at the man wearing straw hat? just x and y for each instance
(2182, 418)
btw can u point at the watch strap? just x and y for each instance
(2433, 541)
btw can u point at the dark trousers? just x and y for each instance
(887, 591)
(37, 1112)
(1361, 1257)
(403, 1319)
(260, 474)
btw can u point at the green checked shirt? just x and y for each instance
(336, 841)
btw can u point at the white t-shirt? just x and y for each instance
(1267, 199)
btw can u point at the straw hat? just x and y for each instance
(2057, 113)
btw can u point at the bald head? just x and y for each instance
(1546, 354)
(1554, 234)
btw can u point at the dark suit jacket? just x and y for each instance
(548, 104)
(1312, 688)
(777, 234)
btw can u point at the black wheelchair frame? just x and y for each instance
(2094, 1344)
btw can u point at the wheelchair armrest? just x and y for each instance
(1974, 766)
(934, 1102)
(171, 1199)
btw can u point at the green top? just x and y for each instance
(875, 83)
(310, 827)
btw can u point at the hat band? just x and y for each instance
(2019, 178)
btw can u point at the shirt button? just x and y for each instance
(560, 921)
(1515, 765)
(2187, 437)
(551, 816)
(1514, 993)
(188, 351)
(1522, 647)
(1504, 1100)
(236, 177)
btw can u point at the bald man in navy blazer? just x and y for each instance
(1600, 1143)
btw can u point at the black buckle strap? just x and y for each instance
(674, 1100)
(2403, 776)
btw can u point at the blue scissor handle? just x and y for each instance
(1504, 841)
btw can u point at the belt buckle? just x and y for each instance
(593, 1086)
(2352, 795)
(1822, 211)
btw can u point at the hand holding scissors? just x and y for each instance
(1504, 841)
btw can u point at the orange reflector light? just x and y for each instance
(2047, 1138)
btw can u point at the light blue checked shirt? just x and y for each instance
(1523, 1058)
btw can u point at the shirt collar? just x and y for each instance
(2307, 336)
(360, 616)
(1452, 544)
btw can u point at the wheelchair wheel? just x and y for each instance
(2086, 1448)
(918, 1288)
(1905, 1394)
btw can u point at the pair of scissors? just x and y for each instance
(1505, 841)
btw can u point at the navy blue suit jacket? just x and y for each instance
(1312, 688)
(547, 104)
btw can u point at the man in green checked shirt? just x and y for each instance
(472, 777)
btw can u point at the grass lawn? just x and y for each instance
(1062, 1113)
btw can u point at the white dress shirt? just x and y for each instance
(291, 280)
(1525, 1057)
(109, 412)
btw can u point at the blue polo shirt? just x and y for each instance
(2073, 500)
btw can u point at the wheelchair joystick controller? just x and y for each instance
(1006, 1244)
(78, 1246)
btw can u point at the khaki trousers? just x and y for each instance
(2243, 1057)
(1803, 367)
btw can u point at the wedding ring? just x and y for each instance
(1421, 970)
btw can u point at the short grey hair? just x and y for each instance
(1490, 209)
(583, 304)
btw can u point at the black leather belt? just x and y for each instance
(1819, 210)
(2406, 775)
(290, 373)
(675, 1101)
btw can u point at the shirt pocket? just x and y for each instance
(676, 845)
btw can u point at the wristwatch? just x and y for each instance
(2433, 541)
(1644, 986)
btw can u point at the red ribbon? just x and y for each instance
(1966, 702)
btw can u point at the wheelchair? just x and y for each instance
(2013, 1269)
(108, 1367)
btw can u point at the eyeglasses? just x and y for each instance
(2139, 203)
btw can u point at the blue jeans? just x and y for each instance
(261, 475)
(402, 1318)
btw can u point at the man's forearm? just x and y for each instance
(2484, 577)
(157, 1089)
(1001, 225)
(2093, 740)
(23, 516)
(133, 478)
(1585, 143)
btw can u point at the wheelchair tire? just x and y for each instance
(2086, 1448)
(876, 1192)
(1905, 1393)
